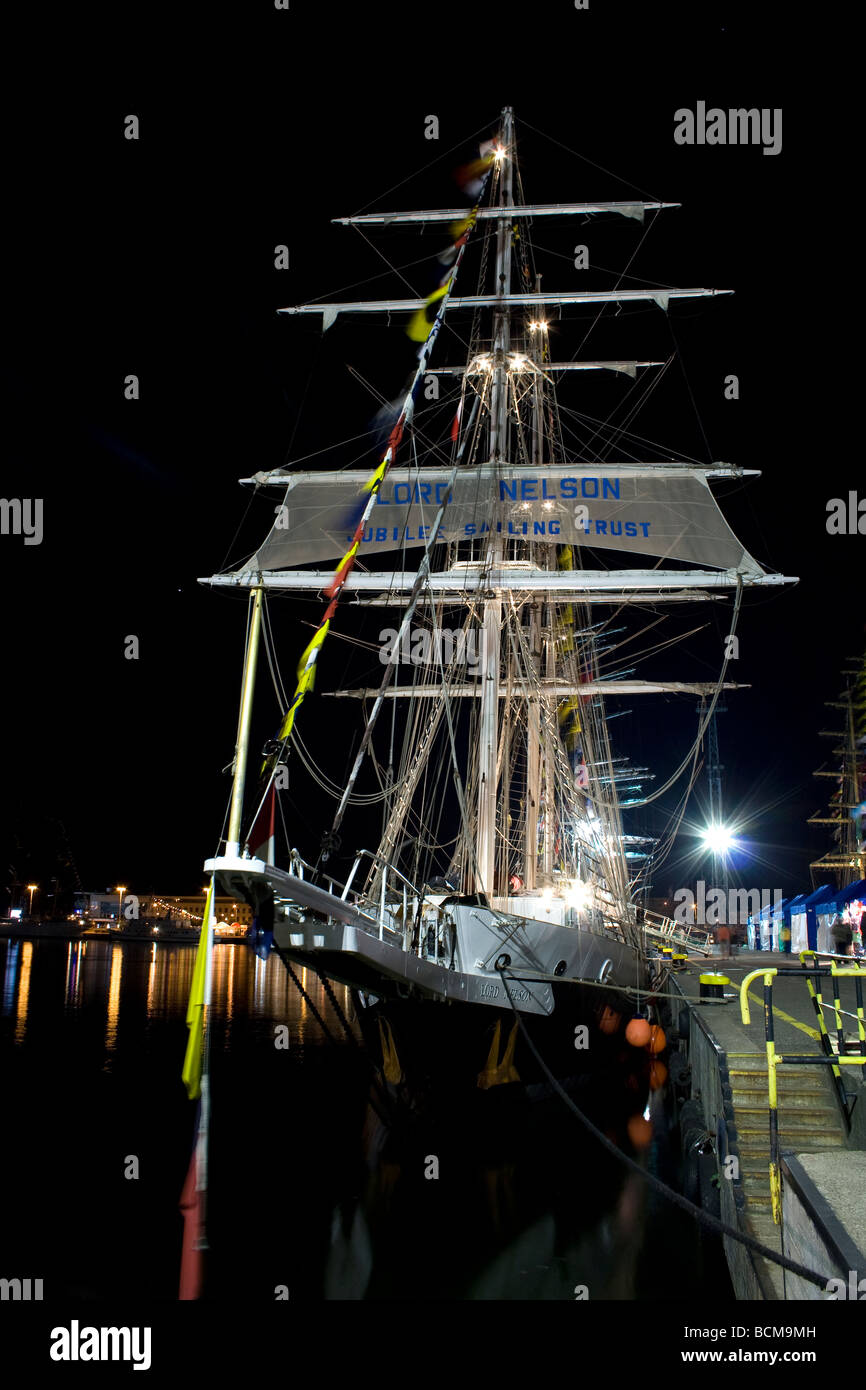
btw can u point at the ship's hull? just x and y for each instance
(438, 1009)
(453, 1059)
(440, 1039)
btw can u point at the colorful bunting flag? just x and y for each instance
(199, 1002)
(261, 836)
(192, 1206)
(424, 328)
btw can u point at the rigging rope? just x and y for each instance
(309, 658)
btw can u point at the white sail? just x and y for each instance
(648, 509)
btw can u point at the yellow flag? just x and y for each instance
(458, 228)
(419, 324)
(306, 675)
(318, 638)
(195, 1013)
(288, 721)
(378, 475)
(571, 706)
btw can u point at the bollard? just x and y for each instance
(713, 986)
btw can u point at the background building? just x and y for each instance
(188, 911)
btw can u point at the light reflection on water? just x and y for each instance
(23, 991)
(114, 982)
(245, 985)
(104, 1023)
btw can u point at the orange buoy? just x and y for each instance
(640, 1131)
(657, 1042)
(638, 1032)
(609, 1021)
(658, 1075)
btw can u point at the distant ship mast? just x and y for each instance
(848, 860)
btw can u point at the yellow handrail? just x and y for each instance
(774, 1058)
(747, 980)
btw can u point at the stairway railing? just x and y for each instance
(829, 1057)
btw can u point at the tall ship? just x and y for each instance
(847, 858)
(492, 914)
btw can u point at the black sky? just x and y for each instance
(155, 257)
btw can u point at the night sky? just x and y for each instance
(155, 257)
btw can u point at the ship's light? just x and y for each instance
(578, 893)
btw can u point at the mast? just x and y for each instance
(549, 759)
(533, 756)
(533, 713)
(485, 845)
(715, 816)
(849, 856)
(244, 721)
(496, 581)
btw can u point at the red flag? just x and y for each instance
(261, 837)
(192, 1207)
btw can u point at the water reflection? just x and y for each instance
(522, 1210)
(23, 992)
(74, 955)
(549, 1222)
(10, 976)
(114, 998)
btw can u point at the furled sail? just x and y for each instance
(662, 510)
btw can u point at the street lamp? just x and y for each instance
(120, 890)
(31, 888)
(718, 839)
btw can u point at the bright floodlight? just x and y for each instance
(578, 893)
(718, 838)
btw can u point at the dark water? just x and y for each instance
(307, 1188)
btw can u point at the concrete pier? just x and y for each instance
(824, 1155)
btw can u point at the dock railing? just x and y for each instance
(830, 1057)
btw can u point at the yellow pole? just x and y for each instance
(244, 721)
